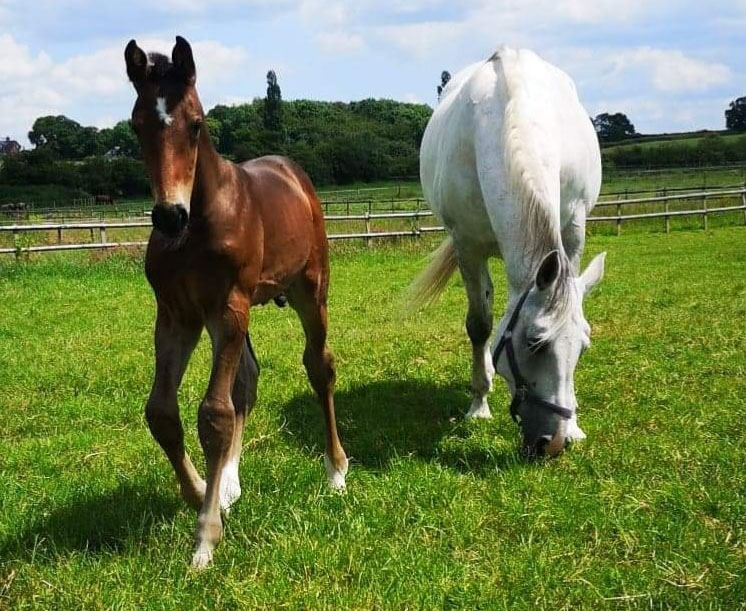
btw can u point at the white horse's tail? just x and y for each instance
(432, 280)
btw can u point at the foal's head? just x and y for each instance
(549, 335)
(167, 118)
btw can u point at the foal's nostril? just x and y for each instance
(170, 219)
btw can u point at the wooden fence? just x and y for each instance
(367, 217)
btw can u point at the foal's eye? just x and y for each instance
(195, 127)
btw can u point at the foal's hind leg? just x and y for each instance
(479, 291)
(174, 342)
(244, 399)
(310, 304)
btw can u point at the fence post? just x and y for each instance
(665, 208)
(93, 237)
(619, 219)
(704, 216)
(367, 226)
(743, 202)
(15, 244)
(59, 235)
(103, 234)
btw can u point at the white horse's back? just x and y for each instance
(509, 132)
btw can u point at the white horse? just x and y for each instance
(510, 164)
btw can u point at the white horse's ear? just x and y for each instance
(549, 271)
(593, 274)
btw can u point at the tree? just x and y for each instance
(735, 115)
(273, 104)
(445, 76)
(611, 128)
(120, 140)
(59, 134)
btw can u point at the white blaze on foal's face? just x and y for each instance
(160, 110)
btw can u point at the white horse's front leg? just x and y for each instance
(478, 285)
(574, 432)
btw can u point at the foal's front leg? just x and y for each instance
(174, 343)
(216, 417)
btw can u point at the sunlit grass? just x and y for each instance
(649, 512)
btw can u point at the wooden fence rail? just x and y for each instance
(101, 226)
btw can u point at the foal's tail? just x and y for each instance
(432, 280)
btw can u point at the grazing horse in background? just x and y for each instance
(225, 237)
(510, 163)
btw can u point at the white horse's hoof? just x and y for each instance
(479, 409)
(230, 486)
(202, 558)
(336, 477)
(574, 432)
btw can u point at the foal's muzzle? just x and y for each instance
(170, 219)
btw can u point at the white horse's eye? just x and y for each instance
(536, 344)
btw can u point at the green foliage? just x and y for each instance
(119, 177)
(64, 137)
(647, 513)
(735, 115)
(612, 128)
(335, 142)
(712, 149)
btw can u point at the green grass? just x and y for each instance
(649, 512)
(690, 140)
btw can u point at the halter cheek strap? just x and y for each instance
(523, 391)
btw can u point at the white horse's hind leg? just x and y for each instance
(479, 291)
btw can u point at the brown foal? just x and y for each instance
(225, 237)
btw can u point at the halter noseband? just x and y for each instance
(523, 391)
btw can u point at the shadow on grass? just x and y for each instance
(95, 524)
(382, 421)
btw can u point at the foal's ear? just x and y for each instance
(137, 63)
(549, 271)
(183, 60)
(593, 274)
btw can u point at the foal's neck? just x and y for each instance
(208, 174)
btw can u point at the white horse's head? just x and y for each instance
(547, 333)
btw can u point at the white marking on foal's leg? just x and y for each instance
(230, 486)
(202, 557)
(574, 432)
(160, 110)
(335, 477)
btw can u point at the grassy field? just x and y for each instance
(648, 513)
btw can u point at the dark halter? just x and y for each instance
(523, 391)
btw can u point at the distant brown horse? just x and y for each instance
(225, 237)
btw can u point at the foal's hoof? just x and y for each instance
(336, 475)
(479, 409)
(202, 558)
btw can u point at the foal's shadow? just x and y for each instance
(96, 524)
(382, 421)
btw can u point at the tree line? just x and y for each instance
(336, 143)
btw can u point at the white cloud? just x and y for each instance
(33, 85)
(340, 42)
(672, 71)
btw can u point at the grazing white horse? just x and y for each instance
(510, 164)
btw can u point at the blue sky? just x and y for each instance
(670, 65)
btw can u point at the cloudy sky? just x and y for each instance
(671, 65)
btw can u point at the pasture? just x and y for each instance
(649, 512)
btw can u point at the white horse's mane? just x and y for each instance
(528, 184)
